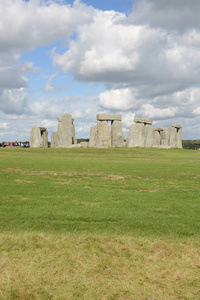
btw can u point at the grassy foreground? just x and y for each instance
(99, 224)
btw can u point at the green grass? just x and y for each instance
(99, 223)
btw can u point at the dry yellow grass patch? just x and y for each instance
(100, 267)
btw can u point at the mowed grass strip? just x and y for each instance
(99, 224)
(97, 267)
(140, 192)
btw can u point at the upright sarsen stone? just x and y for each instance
(93, 137)
(65, 135)
(165, 137)
(176, 136)
(148, 135)
(117, 136)
(140, 133)
(39, 137)
(161, 137)
(103, 134)
(54, 139)
(156, 138)
(136, 135)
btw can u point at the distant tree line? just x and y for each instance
(191, 144)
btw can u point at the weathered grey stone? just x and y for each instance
(176, 126)
(161, 137)
(93, 137)
(109, 117)
(84, 144)
(103, 134)
(179, 138)
(148, 135)
(176, 136)
(164, 147)
(75, 146)
(164, 137)
(156, 138)
(117, 136)
(54, 139)
(65, 135)
(141, 134)
(39, 137)
(143, 120)
(136, 135)
(74, 140)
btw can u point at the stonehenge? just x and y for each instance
(161, 138)
(176, 136)
(64, 137)
(102, 136)
(39, 137)
(141, 134)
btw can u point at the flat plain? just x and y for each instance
(99, 224)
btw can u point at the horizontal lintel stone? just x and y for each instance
(176, 126)
(143, 120)
(109, 117)
(160, 129)
(43, 128)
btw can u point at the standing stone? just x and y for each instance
(141, 134)
(74, 138)
(102, 136)
(179, 137)
(54, 139)
(156, 138)
(148, 135)
(103, 133)
(39, 137)
(66, 132)
(176, 136)
(165, 137)
(136, 135)
(117, 136)
(65, 135)
(93, 137)
(161, 138)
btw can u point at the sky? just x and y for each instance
(139, 58)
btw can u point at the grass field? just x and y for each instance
(99, 224)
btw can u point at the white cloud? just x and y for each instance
(109, 50)
(13, 101)
(14, 77)
(51, 88)
(149, 62)
(50, 124)
(120, 99)
(35, 24)
(48, 86)
(127, 119)
(3, 125)
(38, 24)
(47, 109)
(179, 15)
(196, 111)
(149, 111)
